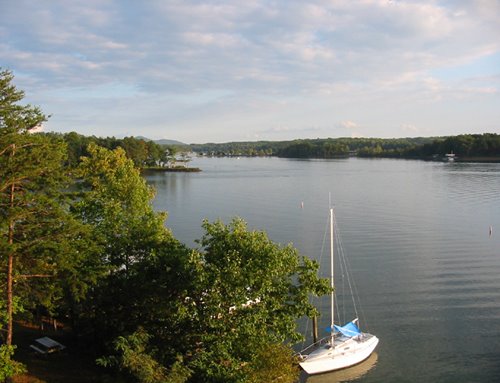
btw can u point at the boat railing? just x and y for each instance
(314, 346)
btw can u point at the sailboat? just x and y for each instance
(346, 345)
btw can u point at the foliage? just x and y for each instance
(310, 148)
(249, 293)
(233, 149)
(39, 240)
(217, 313)
(144, 153)
(315, 149)
(465, 145)
(474, 145)
(133, 358)
(117, 203)
(273, 363)
(8, 366)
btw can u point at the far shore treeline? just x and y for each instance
(152, 154)
(464, 146)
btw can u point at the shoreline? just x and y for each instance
(176, 169)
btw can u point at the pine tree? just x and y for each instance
(37, 234)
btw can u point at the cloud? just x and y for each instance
(348, 125)
(410, 129)
(322, 60)
(304, 43)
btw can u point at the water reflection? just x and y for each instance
(345, 375)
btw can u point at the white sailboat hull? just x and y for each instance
(347, 352)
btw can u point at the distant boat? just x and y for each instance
(345, 346)
(450, 157)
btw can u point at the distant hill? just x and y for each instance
(170, 142)
(163, 141)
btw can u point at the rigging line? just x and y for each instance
(353, 287)
(322, 252)
(344, 260)
(344, 303)
(355, 294)
(315, 299)
(337, 311)
(350, 283)
(340, 295)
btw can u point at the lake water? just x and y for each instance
(417, 235)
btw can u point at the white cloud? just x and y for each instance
(409, 128)
(385, 61)
(348, 125)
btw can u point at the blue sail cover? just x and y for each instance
(350, 329)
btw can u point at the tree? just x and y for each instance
(155, 153)
(117, 203)
(136, 149)
(38, 237)
(217, 314)
(133, 358)
(22, 171)
(169, 156)
(212, 314)
(249, 292)
(77, 147)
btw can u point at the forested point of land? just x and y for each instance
(146, 154)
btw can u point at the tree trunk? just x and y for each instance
(10, 264)
(10, 267)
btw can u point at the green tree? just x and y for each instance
(25, 169)
(217, 314)
(117, 203)
(249, 292)
(155, 153)
(38, 237)
(136, 149)
(77, 147)
(169, 156)
(133, 358)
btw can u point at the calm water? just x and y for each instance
(417, 235)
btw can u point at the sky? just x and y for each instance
(248, 70)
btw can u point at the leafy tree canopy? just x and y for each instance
(248, 294)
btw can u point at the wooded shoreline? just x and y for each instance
(174, 170)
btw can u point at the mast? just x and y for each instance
(332, 296)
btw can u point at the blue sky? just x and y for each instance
(218, 71)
